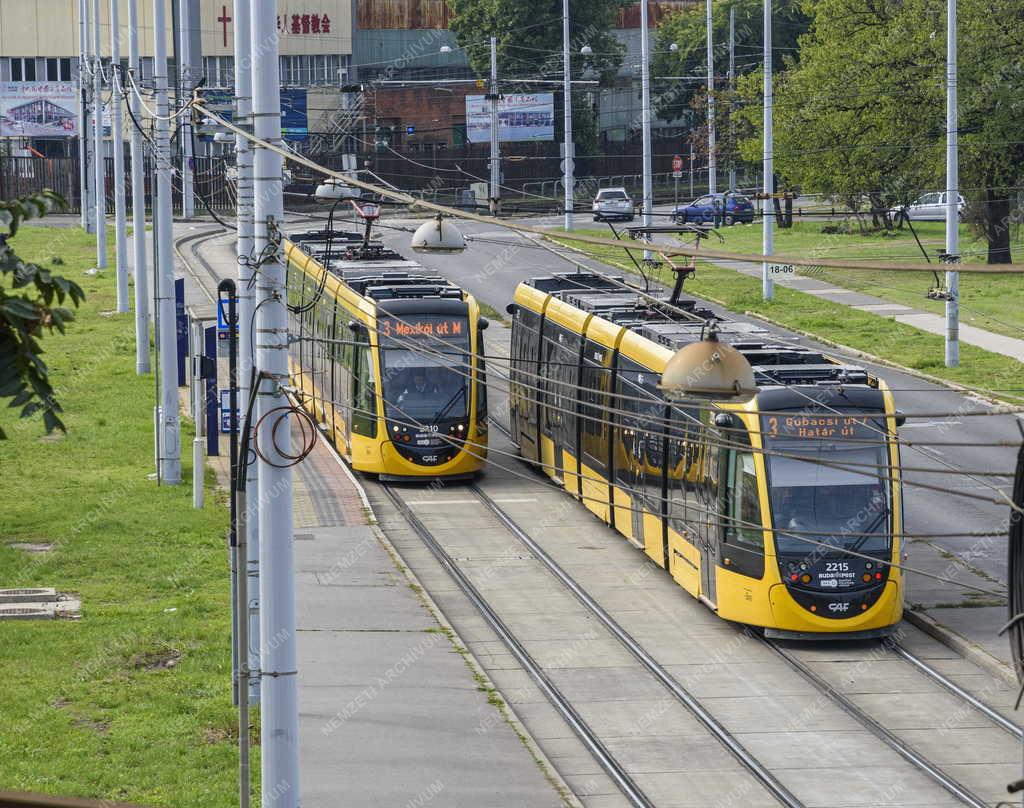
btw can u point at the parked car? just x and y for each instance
(612, 203)
(729, 207)
(929, 208)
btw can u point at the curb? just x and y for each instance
(508, 714)
(967, 649)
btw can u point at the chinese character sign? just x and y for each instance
(303, 24)
(521, 116)
(38, 109)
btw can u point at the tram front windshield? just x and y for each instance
(828, 483)
(425, 368)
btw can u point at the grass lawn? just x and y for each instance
(133, 701)
(867, 332)
(992, 302)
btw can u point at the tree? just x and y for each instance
(529, 45)
(687, 29)
(861, 113)
(26, 314)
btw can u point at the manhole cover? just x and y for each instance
(28, 595)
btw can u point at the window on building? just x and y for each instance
(58, 69)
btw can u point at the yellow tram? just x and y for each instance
(784, 512)
(387, 356)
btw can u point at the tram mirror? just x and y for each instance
(725, 420)
(484, 322)
(510, 308)
(355, 326)
(901, 419)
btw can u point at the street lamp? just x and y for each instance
(438, 236)
(708, 370)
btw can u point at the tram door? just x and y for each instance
(558, 418)
(707, 516)
(524, 398)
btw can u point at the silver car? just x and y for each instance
(929, 208)
(612, 203)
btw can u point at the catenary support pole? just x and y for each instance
(85, 189)
(167, 344)
(117, 142)
(732, 90)
(495, 189)
(279, 709)
(952, 193)
(767, 284)
(139, 269)
(99, 163)
(249, 534)
(185, 23)
(568, 159)
(712, 156)
(645, 118)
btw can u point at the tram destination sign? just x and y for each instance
(820, 426)
(423, 327)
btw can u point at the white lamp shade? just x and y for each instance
(333, 189)
(438, 236)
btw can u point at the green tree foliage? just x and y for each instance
(29, 305)
(861, 113)
(529, 45)
(688, 30)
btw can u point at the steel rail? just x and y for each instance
(691, 703)
(949, 685)
(894, 742)
(605, 759)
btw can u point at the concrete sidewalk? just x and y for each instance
(918, 318)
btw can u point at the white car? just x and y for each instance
(612, 203)
(929, 208)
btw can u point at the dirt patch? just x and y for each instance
(156, 659)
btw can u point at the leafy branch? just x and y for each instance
(31, 299)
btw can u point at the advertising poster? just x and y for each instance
(38, 109)
(521, 116)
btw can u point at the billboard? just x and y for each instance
(38, 109)
(294, 113)
(521, 116)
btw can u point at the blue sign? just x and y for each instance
(294, 116)
(181, 327)
(222, 318)
(212, 443)
(410, 130)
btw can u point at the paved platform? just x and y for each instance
(391, 704)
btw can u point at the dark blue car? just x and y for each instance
(729, 208)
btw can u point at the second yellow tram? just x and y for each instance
(784, 512)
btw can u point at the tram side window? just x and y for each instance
(481, 378)
(684, 467)
(364, 396)
(525, 368)
(595, 383)
(562, 357)
(743, 508)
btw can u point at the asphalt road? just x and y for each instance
(498, 260)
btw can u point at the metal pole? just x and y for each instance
(198, 413)
(712, 157)
(167, 344)
(691, 169)
(645, 115)
(279, 752)
(83, 118)
(952, 194)
(767, 285)
(249, 535)
(732, 89)
(117, 141)
(568, 160)
(188, 209)
(100, 162)
(138, 203)
(495, 191)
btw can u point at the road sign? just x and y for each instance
(571, 164)
(677, 174)
(409, 130)
(781, 269)
(677, 165)
(225, 411)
